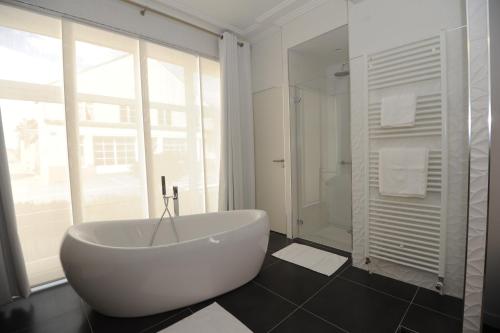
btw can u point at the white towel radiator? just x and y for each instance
(409, 231)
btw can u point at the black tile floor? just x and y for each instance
(490, 329)
(282, 298)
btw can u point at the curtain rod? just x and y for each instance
(144, 9)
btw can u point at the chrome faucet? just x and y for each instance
(174, 197)
(176, 200)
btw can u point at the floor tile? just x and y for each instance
(168, 322)
(277, 241)
(291, 281)
(302, 321)
(490, 329)
(39, 307)
(69, 322)
(101, 323)
(446, 304)
(403, 329)
(255, 307)
(357, 308)
(269, 260)
(382, 283)
(426, 321)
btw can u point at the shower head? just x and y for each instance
(344, 72)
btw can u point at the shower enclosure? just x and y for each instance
(320, 103)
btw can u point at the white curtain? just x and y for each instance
(237, 170)
(13, 277)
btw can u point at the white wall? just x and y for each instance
(117, 15)
(267, 67)
(379, 25)
(270, 51)
(332, 14)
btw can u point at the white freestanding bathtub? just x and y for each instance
(112, 267)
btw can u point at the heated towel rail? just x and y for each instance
(409, 231)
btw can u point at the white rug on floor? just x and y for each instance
(212, 319)
(317, 260)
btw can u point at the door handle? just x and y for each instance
(282, 161)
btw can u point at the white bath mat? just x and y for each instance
(317, 260)
(212, 319)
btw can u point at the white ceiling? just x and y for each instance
(247, 18)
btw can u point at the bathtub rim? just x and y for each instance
(70, 232)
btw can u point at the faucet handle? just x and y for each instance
(176, 192)
(163, 188)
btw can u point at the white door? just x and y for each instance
(269, 156)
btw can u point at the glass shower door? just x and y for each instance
(323, 165)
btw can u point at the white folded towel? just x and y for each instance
(398, 110)
(211, 319)
(403, 172)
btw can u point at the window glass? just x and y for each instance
(176, 133)
(210, 84)
(112, 167)
(32, 109)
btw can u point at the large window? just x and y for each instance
(32, 105)
(84, 140)
(108, 82)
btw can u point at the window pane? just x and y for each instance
(210, 85)
(176, 127)
(31, 100)
(109, 104)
